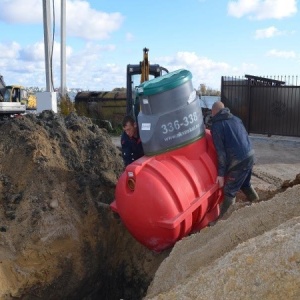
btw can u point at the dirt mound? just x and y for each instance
(254, 254)
(58, 236)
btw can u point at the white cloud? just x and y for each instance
(81, 20)
(203, 69)
(87, 23)
(267, 33)
(36, 52)
(262, 9)
(9, 51)
(33, 52)
(129, 37)
(20, 11)
(246, 68)
(281, 54)
(84, 69)
(90, 70)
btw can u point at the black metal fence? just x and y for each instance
(265, 105)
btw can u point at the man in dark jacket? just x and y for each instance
(131, 144)
(235, 155)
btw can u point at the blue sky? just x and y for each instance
(211, 38)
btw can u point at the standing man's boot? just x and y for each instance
(250, 193)
(227, 202)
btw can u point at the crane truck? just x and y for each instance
(15, 100)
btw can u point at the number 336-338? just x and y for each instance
(176, 125)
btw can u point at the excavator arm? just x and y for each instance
(145, 66)
(145, 69)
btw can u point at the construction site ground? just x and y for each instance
(59, 238)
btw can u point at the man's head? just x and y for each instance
(129, 126)
(217, 106)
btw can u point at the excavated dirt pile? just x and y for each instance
(58, 237)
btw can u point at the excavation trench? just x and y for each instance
(125, 268)
(59, 238)
(118, 285)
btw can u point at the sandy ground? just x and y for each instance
(277, 159)
(253, 252)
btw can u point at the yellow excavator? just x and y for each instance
(145, 70)
(15, 100)
(114, 105)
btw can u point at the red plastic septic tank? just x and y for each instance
(163, 198)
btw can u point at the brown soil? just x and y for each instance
(58, 237)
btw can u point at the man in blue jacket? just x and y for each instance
(235, 155)
(131, 144)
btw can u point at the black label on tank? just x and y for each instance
(168, 131)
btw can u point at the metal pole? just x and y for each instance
(63, 49)
(47, 22)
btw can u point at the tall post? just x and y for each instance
(47, 100)
(47, 43)
(63, 49)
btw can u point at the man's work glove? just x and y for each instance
(220, 181)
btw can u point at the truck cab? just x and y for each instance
(13, 101)
(18, 94)
(15, 94)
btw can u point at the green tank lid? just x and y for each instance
(164, 83)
